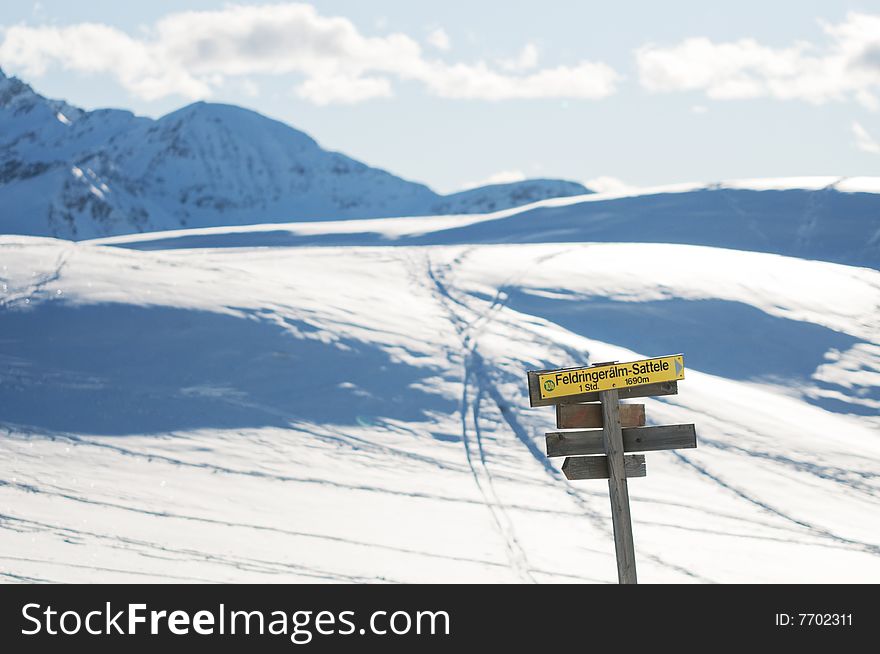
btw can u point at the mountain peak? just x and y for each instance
(12, 88)
(216, 110)
(20, 98)
(80, 174)
(249, 123)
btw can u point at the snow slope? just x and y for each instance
(79, 174)
(358, 413)
(829, 219)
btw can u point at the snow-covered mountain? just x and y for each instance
(80, 174)
(171, 410)
(345, 400)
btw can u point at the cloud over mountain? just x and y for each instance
(191, 53)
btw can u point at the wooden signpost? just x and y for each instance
(595, 430)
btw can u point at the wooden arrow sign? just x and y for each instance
(588, 416)
(635, 439)
(596, 436)
(596, 467)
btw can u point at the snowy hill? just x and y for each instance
(78, 174)
(496, 197)
(828, 219)
(358, 412)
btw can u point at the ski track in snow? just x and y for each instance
(470, 424)
(499, 525)
(33, 288)
(868, 547)
(470, 330)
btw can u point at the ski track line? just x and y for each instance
(243, 525)
(97, 568)
(6, 522)
(599, 520)
(38, 285)
(76, 441)
(73, 440)
(479, 385)
(471, 408)
(23, 579)
(834, 474)
(516, 551)
(800, 466)
(870, 548)
(823, 472)
(148, 548)
(596, 518)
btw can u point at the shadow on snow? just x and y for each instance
(720, 337)
(825, 225)
(125, 369)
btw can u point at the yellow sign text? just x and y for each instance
(605, 377)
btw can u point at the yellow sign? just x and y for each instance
(605, 377)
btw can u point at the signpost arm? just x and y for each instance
(617, 488)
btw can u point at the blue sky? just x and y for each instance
(455, 93)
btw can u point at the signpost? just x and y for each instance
(596, 430)
(609, 376)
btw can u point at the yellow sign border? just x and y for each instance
(564, 382)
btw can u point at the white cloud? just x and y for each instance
(192, 53)
(864, 141)
(608, 184)
(526, 60)
(846, 67)
(699, 109)
(276, 39)
(97, 48)
(439, 39)
(501, 177)
(479, 82)
(343, 90)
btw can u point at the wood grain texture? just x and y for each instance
(588, 416)
(648, 390)
(617, 488)
(596, 467)
(635, 439)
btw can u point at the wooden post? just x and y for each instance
(580, 442)
(620, 515)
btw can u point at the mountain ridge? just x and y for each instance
(71, 173)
